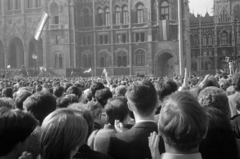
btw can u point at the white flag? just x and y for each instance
(41, 25)
(88, 71)
(8, 66)
(105, 71)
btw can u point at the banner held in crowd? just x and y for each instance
(41, 25)
(88, 71)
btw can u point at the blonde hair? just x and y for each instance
(61, 132)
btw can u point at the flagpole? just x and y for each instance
(180, 32)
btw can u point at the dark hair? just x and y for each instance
(40, 105)
(7, 102)
(20, 97)
(103, 95)
(182, 121)
(74, 90)
(67, 100)
(7, 92)
(96, 86)
(16, 126)
(236, 82)
(120, 91)
(143, 95)
(165, 88)
(116, 109)
(58, 91)
(216, 98)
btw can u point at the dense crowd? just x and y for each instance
(120, 117)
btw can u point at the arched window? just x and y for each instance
(103, 60)
(119, 60)
(54, 11)
(60, 61)
(125, 15)
(38, 3)
(17, 4)
(140, 58)
(140, 13)
(204, 40)
(210, 39)
(107, 16)
(223, 16)
(224, 39)
(56, 60)
(99, 17)
(89, 61)
(118, 15)
(164, 10)
(29, 3)
(86, 17)
(195, 40)
(236, 12)
(10, 4)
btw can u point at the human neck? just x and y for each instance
(172, 150)
(138, 117)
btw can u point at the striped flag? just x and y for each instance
(164, 30)
(41, 25)
(88, 71)
(105, 71)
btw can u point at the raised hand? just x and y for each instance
(153, 142)
(119, 126)
(203, 83)
(185, 82)
(25, 155)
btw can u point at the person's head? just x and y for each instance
(224, 84)
(15, 128)
(116, 109)
(236, 82)
(67, 100)
(165, 88)
(102, 96)
(58, 91)
(7, 102)
(95, 109)
(96, 86)
(216, 98)
(120, 91)
(142, 98)
(74, 90)
(86, 115)
(7, 92)
(182, 122)
(40, 105)
(62, 133)
(20, 97)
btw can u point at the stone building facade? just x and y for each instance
(214, 38)
(127, 37)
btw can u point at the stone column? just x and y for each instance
(130, 37)
(94, 42)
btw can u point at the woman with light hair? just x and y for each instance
(63, 132)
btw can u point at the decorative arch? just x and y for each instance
(223, 16)
(140, 12)
(15, 56)
(164, 63)
(54, 10)
(164, 10)
(125, 14)
(140, 57)
(104, 59)
(107, 18)
(117, 14)
(99, 16)
(236, 12)
(86, 16)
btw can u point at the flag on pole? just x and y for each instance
(8, 66)
(41, 25)
(43, 69)
(164, 30)
(105, 71)
(88, 71)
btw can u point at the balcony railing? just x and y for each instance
(56, 26)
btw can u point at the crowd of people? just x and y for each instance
(120, 117)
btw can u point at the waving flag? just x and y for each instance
(8, 66)
(88, 71)
(164, 30)
(105, 71)
(41, 25)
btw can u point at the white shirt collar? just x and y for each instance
(181, 156)
(141, 121)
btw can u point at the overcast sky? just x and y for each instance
(201, 6)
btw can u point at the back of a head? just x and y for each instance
(143, 97)
(182, 122)
(116, 109)
(58, 91)
(7, 102)
(95, 109)
(103, 95)
(67, 100)
(165, 88)
(236, 82)
(216, 98)
(96, 86)
(120, 91)
(15, 127)
(7, 92)
(21, 96)
(63, 131)
(40, 105)
(74, 90)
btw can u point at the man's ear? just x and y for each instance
(129, 106)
